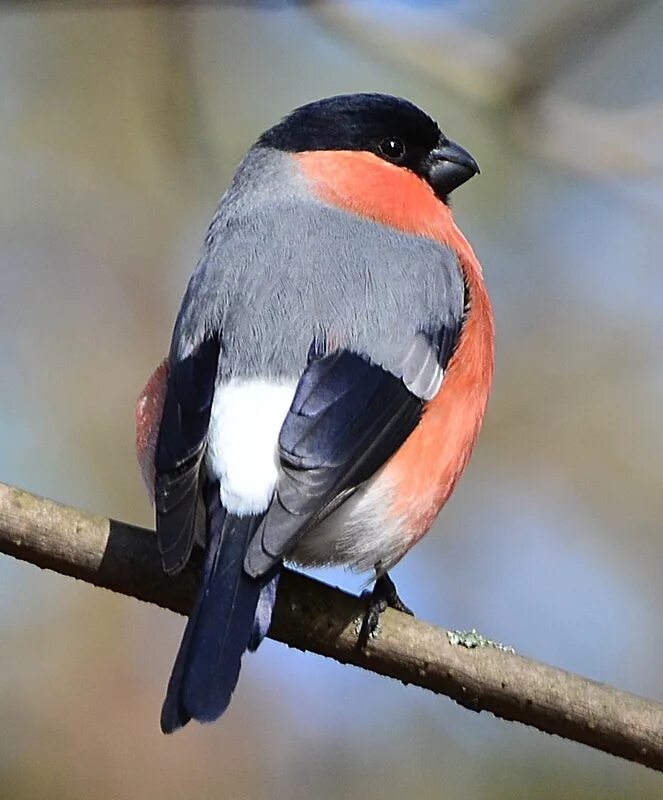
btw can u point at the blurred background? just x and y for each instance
(120, 126)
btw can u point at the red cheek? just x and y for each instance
(366, 185)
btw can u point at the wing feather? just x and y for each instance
(347, 419)
(180, 449)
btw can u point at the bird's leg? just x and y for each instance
(383, 596)
(388, 588)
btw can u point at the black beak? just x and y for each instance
(449, 166)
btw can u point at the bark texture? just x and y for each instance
(314, 617)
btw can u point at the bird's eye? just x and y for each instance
(392, 148)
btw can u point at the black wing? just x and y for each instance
(180, 450)
(347, 419)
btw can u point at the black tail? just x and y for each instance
(231, 614)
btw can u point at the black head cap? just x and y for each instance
(389, 127)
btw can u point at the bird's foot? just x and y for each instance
(383, 596)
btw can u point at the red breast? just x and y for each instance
(425, 469)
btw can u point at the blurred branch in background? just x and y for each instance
(318, 618)
(516, 70)
(265, 5)
(500, 69)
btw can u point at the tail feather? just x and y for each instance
(231, 614)
(263, 616)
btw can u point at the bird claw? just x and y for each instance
(383, 596)
(393, 600)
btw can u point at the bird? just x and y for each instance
(327, 377)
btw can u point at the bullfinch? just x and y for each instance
(327, 377)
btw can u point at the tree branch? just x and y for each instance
(312, 616)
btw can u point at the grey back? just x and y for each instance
(281, 269)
